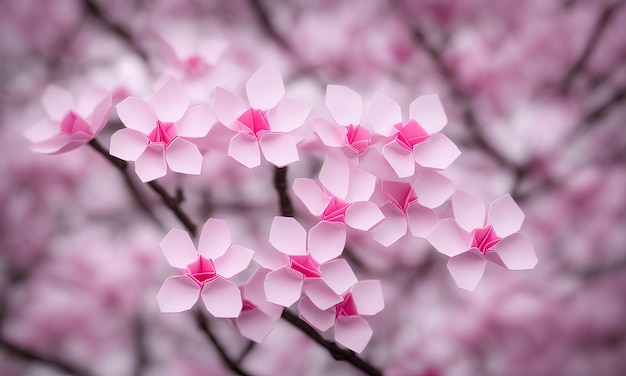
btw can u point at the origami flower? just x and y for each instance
(257, 316)
(411, 205)
(307, 265)
(470, 240)
(265, 123)
(70, 124)
(189, 54)
(156, 132)
(205, 272)
(365, 298)
(342, 199)
(417, 140)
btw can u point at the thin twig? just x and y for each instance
(280, 183)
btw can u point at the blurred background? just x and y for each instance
(535, 93)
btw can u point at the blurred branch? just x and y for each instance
(141, 351)
(30, 355)
(280, 183)
(262, 15)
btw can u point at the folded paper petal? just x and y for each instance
(151, 163)
(334, 176)
(344, 104)
(244, 148)
(184, 157)
(353, 332)
(212, 50)
(178, 294)
(57, 102)
(421, 220)
(505, 216)
(400, 159)
(254, 325)
(41, 131)
(288, 236)
(338, 275)
(384, 113)
(56, 145)
(517, 252)
(437, 152)
(289, 114)
(467, 269)
(311, 195)
(222, 298)
(196, 122)
(432, 188)
(469, 210)
(368, 297)
(390, 229)
(320, 319)
(331, 134)
(227, 107)
(95, 105)
(279, 149)
(283, 287)
(449, 238)
(363, 215)
(178, 248)
(265, 88)
(128, 144)
(170, 101)
(320, 294)
(137, 114)
(326, 241)
(234, 261)
(214, 239)
(428, 111)
(361, 185)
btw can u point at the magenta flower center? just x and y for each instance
(335, 210)
(194, 64)
(410, 134)
(163, 133)
(358, 138)
(72, 123)
(202, 270)
(346, 307)
(306, 265)
(400, 194)
(254, 122)
(484, 238)
(247, 306)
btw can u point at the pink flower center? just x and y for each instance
(358, 138)
(346, 307)
(484, 238)
(194, 64)
(73, 123)
(335, 210)
(411, 134)
(306, 265)
(163, 133)
(247, 306)
(400, 194)
(254, 122)
(201, 270)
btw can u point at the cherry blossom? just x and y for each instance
(157, 132)
(470, 239)
(418, 140)
(185, 51)
(411, 205)
(309, 265)
(364, 298)
(265, 124)
(205, 271)
(70, 124)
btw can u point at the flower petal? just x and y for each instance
(279, 149)
(57, 102)
(331, 134)
(467, 269)
(432, 188)
(254, 325)
(196, 122)
(449, 238)
(321, 320)
(437, 152)
(517, 252)
(390, 229)
(214, 239)
(227, 107)
(95, 105)
(505, 216)
(184, 157)
(344, 104)
(222, 298)
(421, 220)
(137, 114)
(288, 236)
(244, 148)
(234, 261)
(283, 287)
(469, 210)
(361, 185)
(338, 275)
(178, 294)
(320, 294)
(289, 114)
(326, 241)
(353, 332)
(58, 144)
(384, 113)
(428, 111)
(151, 163)
(368, 297)
(334, 176)
(178, 248)
(170, 101)
(311, 195)
(265, 88)
(363, 215)
(42, 131)
(400, 159)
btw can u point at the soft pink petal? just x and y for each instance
(234, 261)
(196, 122)
(467, 269)
(244, 148)
(178, 248)
(283, 287)
(265, 88)
(95, 106)
(363, 215)
(421, 220)
(334, 176)
(137, 114)
(212, 50)
(58, 144)
(311, 195)
(320, 294)
(42, 131)
(288, 236)
(326, 241)
(400, 159)
(353, 332)
(469, 210)
(254, 325)
(505, 216)
(151, 163)
(449, 238)
(253, 290)
(432, 188)
(338, 275)
(331, 134)
(170, 101)
(517, 252)
(222, 298)
(437, 152)
(321, 320)
(384, 113)
(57, 102)
(428, 111)
(178, 294)
(184, 157)
(368, 297)
(361, 185)
(390, 229)
(279, 149)
(344, 104)
(214, 239)
(227, 107)
(289, 114)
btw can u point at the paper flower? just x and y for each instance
(156, 132)
(470, 240)
(309, 264)
(411, 205)
(257, 316)
(265, 123)
(70, 124)
(342, 199)
(365, 298)
(184, 51)
(417, 140)
(205, 272)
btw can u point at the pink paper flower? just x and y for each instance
(365, 298)
(309, 264)
(70, 124)
(157, 132)
(417, 140)
(411, 205)
(205, 271)
(265, 123)
(184, 51)
(471, 240)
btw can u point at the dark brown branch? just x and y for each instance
(29, 355)
(268, 27)
(280, 183)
